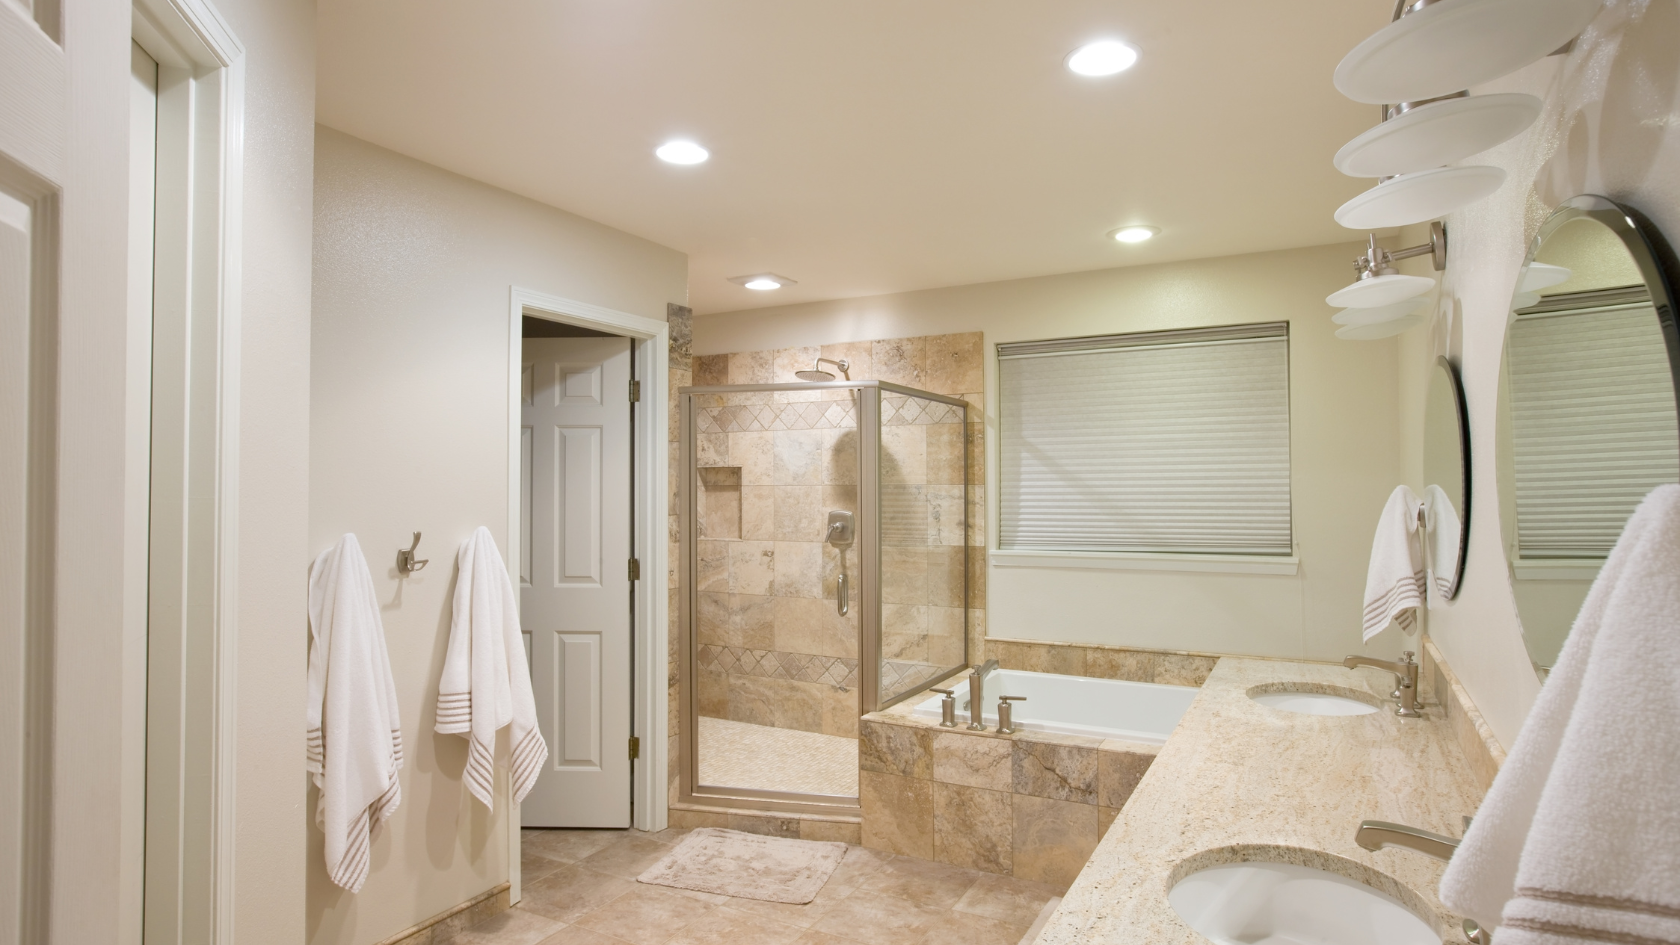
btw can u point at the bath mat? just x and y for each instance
(748, 866)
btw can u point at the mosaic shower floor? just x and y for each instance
(744, 755)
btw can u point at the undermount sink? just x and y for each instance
(1267, 903)
(1310, 702)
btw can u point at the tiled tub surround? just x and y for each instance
(1239, 781)
(1031, 805)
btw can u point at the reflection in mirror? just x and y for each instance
(1587, 410)
(1446, 470)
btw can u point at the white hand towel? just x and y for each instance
(355, 731)
(1444, 537)
(486, 683)
(1394, 586)
(1578, 839)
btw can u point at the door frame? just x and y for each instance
(651, 504)
(196, 304)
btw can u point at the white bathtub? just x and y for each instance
(1076, 705)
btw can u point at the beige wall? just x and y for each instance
(279, 133)
(408, 433)
(1608, 128)
(1344, 434)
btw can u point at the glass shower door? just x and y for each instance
(774, 661)
(924, 541)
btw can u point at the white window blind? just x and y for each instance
(1173, 441)
(1592, 417)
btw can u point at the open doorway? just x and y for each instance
(643, 749)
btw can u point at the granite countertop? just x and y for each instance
(1239, 781)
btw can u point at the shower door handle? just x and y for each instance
(842, 594)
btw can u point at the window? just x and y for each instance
(1168, 441)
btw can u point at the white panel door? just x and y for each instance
(575, 587)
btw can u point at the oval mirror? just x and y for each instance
(1587, 407)
(1446, 470)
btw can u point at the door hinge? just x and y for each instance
(635, 748)
(635, 392)
(635, 569)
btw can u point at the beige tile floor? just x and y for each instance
(744, 755)
(581, 889)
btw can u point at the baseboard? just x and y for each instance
(444, 926)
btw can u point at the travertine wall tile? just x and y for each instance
(973, 761)
(955, 364)
(831, 830)
(973, 827)
(897, 813)
(900, 361)
(1118, 773)
(1052, 839)
(1059, 772)
(895, 749)
(711, 370)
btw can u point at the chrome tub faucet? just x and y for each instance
(977, 695)
(1406, 680)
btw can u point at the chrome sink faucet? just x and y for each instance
(977, 695)
(1406, 680)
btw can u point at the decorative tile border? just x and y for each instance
(777, 664)
(905, 411)
(746, 418)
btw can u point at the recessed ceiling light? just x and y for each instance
(762, 281)
(1134, 234)
(1103, 57)
(682, 152)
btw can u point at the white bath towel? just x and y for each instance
(355, 733)
(1578, 839)
(1445, 533)
(486, 683)
(1394, 586)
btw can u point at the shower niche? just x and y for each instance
(824, 548)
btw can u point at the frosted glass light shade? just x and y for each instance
(1540, 275)
(1524, 300)
(1423, 195)
(1456, 44)
(1378, 315)
(1386, 329)
(1379, 291)
(1438, 133)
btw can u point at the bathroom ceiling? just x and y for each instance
(871, 146)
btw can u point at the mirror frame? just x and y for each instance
(1657, 265)
(1656, 262)
(1463, 410)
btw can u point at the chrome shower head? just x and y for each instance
(818, 374)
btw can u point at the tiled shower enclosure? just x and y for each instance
(793, 628)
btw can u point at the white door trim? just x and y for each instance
(201, 115)
(651, 504)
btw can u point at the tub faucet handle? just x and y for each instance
(947, 707)
(1006, 714)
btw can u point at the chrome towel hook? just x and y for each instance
(406, 562)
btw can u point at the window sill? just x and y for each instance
(1146, 561)
(1557, 569)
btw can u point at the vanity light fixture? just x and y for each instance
(1103, 57)
(1437, 47)
(1416, 136)
(1419, 196)
(1134, 234)
(1380, 285)
(762, 281)
(682, 151)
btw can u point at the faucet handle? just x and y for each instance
(945, 692)
(1406, 656)
(1012, 698)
